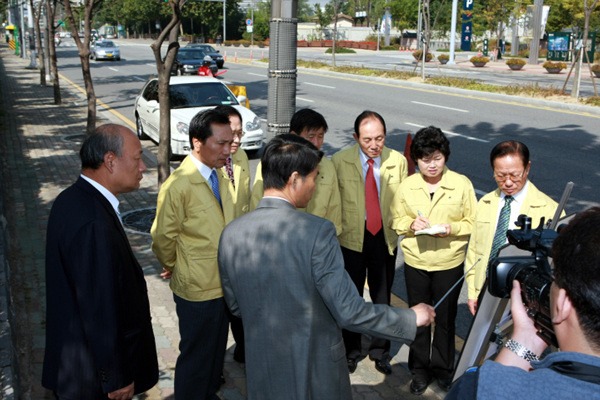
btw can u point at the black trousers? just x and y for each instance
(237, 330)
(203, 329)
(428, 359)
(377, 266)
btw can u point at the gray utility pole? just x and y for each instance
(419, 28)
(33, 63)
(453, 32)
(387, 19)
(534, 50)
(282, 65)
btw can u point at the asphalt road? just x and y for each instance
(564, 144)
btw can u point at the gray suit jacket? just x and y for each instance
(282, 271)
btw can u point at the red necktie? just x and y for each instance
(229, 170)
(372, 201)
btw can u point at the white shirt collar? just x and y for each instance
(112, 199)
(364, 158)
(204, 170)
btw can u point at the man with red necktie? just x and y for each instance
(369, 174)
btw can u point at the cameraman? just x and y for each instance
(574, 372)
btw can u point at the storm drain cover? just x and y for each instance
(139, 220)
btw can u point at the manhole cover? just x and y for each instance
(74, 138)
(139, 220)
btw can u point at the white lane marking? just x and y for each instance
(113, 69)
(261, 75)
(139, 79)
(316, 84)
(300, 98)
(452, 133)
(437, 106)
(151, 65)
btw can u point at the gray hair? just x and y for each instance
(105, 139)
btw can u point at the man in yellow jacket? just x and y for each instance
(325, 202)
(369, 175)
(193, 207)
(515, 194)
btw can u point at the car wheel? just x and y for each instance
(140, 129)
(118, 58)
(92, 56)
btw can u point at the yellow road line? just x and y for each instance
(101, 103)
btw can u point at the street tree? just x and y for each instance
(588, 9)
(87, 9)
(324, 17)
(37, 13)
(404, 15)
(50, 13)
(164, 67)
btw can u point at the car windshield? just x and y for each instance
(201, 94)
(193, 54)
(105, 44)
(209, 48)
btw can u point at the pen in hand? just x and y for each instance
(420, 215)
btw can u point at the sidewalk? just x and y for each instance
(39, 146)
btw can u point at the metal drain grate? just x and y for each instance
(139, 220)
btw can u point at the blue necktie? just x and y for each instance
(214, 184)
(501, 227)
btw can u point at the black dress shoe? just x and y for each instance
(352, 364)
(418, 386)
(445, 384)
(383, 366)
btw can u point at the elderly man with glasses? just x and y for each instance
(497, 211)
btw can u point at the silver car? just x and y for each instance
(105, 50)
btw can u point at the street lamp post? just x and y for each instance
(453, 32)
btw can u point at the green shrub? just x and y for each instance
(554, 65)
(418, 55)
(515, 61)
(477, 59)
(342, 50)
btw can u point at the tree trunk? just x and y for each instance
(164, 76)
(36, 24)
(583, 51)
(50, 10)
(84, 56)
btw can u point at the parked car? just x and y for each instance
(190, 95)
(104, 50)
(189, 60)
(209, 50)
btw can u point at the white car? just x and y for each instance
(190, 95)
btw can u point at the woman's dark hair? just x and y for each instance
(427, 141)
(285, 154)
(510, 147)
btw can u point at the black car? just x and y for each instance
(211, 51)
(189, 60)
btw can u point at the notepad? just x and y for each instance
(434, 230)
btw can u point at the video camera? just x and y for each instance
(533, 273)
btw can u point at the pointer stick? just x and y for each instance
(457, 282)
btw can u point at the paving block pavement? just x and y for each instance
(39, 144)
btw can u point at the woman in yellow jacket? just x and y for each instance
(443, 202)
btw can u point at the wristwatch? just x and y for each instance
(521, 351)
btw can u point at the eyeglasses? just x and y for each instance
(516, 178)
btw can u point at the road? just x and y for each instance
(564, 144)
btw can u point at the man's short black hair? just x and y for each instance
(427, 141)
(510, 147)
(229, 110)
(200, 126)
(368, 114)
(307, 119)
(576, 257)
(285, 154)
(106, 138)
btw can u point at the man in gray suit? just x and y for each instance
(282, 271)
